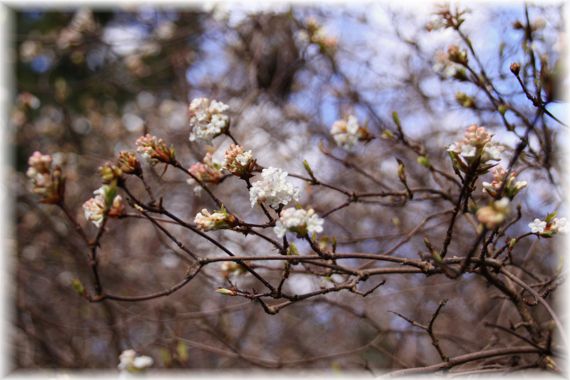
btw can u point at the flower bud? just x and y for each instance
(517, 25)
(47, 182)
(239, 162)
(217, 220)
(515, 68)
(106, 202)
(226, 292)
(78, 287)
(465, 100)
(230, 267)
(424, 161)
(494, 214)
(155, 150)
(129, 163)
(457, 55)
(110, 173)
(207, 171)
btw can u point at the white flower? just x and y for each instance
(94, 210)
(519, 185)
(347, 133)
(468, 151)
(237, 161)
(494, 214)
(214, 221)
(298, 220)
(537, 226)
(231, 268)
(142, 362)
(207, 119)
(95, 207)
(244, 158)
(130, 361)
(491, 152)
(476, 144)
(502, 204)
(455, 147)
(273, 188)
(560, 225)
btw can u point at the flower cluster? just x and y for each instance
(476, 147)
(445, 18)
(302, 222)
(447, 69)
(316, 34)
(273, 188)
(230, 267)
(207, 119)
(155, 150)
(129, 164)
(346, 132)
(48, 183)
(494, 214)
(207, 171)
(457, 55)
(105, 202)
(511, 188)
(550, 226)
(110, 173)
(239, 162)
(130, 361)
(217, 220)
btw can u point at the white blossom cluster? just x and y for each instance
(477, 142)
(40, 172)
(273, 188)
(556, 225)
(511, 187)
(94, 209)
(130, 361)
(207, 119)
(494, 214)
(300, 221)
(216, 220)
(346, 133)
(237, 161)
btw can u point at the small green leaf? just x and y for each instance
(165, 357)
(387, 135)
(182, 351)
(396, 118)
(78, 286)
(424, 161)
(550, 216)
(292, 250)
(308, 169)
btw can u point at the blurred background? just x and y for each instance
(89, 82)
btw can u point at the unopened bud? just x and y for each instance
(517, 25)
(110, 172)
(78, 287)
(129, 163)
(424, 161)
(465, 100)
(457, 55)
(515, 68)
(226, 292)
